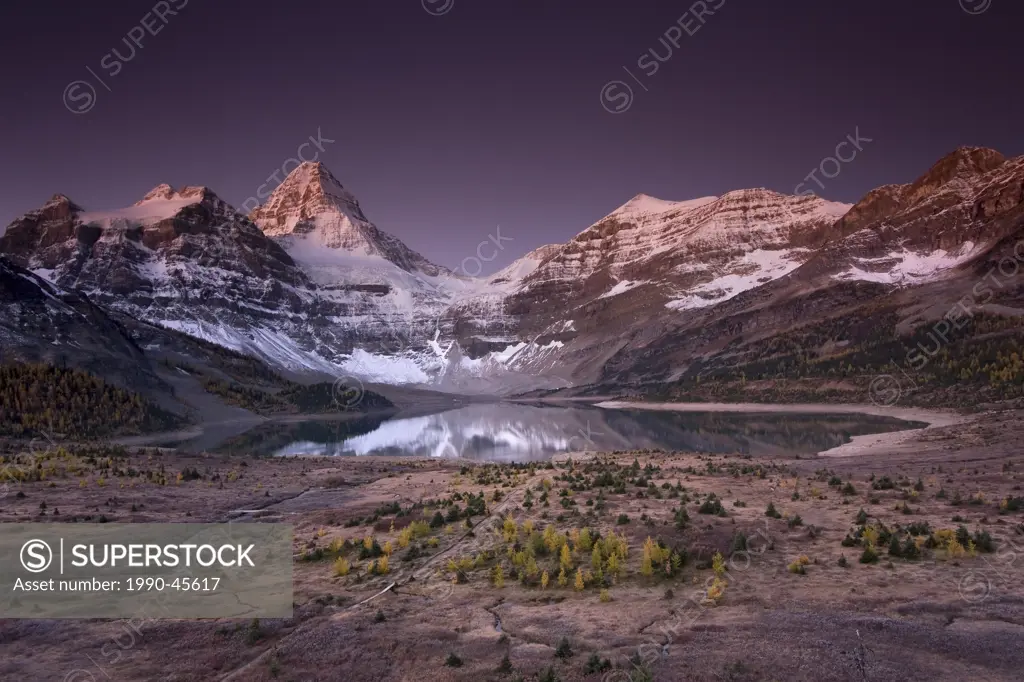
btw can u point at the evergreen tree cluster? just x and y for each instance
(44, 399)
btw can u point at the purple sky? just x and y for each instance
(447, 126)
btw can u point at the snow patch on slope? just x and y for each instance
(622, 287)
(386, 369)
(749, 272)
(908, 267)
(145, 213)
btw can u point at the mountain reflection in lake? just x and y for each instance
(521, 432)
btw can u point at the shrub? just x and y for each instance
(983, 541)
(712, 505)
(453, 661)
(963, 536)
(253, 633)
(564, 650)
(369, 549)
(894, 547)
(919, 528)
(622, 520)
(596, 665)
(772, 512)
(716, 590)
(884, 483)
(380, 566)
(718, 564)
(795, 521)
(1011, 504)
(862, 517)
(341, 567)
(869, 556)
(843, 563)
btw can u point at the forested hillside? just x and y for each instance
(38, 399)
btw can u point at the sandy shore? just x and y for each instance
(869, 444)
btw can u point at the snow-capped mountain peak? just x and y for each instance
(311, 285)
(309, 192)
(312, 211)
(165, 192)
(646, 205)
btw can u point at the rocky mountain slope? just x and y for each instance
(917, 286)
(656, 293)
(188, 261)
(43, 323)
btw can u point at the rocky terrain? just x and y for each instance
(617, 566)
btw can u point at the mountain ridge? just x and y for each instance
(307, 283)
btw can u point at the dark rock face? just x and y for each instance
(185, 259)
(40, 322)
(38, 232)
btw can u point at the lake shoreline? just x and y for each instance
(867, 444)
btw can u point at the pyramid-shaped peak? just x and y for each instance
(314, 178)
(316, 214)
(309, 191)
